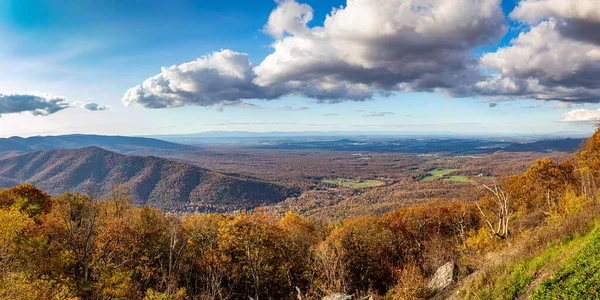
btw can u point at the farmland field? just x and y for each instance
(353, 183)
(437, 173)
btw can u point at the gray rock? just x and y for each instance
(445, 276)
(338, 297)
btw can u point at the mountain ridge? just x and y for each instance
(154, 181)
(124, 144)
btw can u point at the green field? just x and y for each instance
(353, 183)
(458, 178)
(437, 173)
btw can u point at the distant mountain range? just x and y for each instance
(407, 142)
(561, 145)
(158, 182)
(423, 145)
(123, 144)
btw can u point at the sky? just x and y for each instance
(185, 66)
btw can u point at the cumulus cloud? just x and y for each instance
(37, 105)
(220, 77)
(581, 115)
(370, 47)
(377, 114)
(533, 11)
(296, 108)
(91, 106)
(363, 48)
(331, 115)
(289, 17)
(558, 59)
(379, 46)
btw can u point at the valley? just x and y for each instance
(331, 182)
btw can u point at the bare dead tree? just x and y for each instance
(176, 246)
(502, 212)
(588, 184)
(461, 224)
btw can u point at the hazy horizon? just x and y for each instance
(257, 134)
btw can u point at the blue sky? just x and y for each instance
(95, 51)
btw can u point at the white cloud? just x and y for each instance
(533, 11)
(581, 115)
(239, 104)
(370, 47)
(35, 104)
(379, 46)
(366, 47)
(557, 59)
(91, 106)
(224, 76)
(563, 105)
(289, 17)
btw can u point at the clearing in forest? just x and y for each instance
(441, 174)
(351, 183)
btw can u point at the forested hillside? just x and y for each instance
(153, 181)
(508, 244)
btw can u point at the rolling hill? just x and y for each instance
(154, 181)
(122, 144)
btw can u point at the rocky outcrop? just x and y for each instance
(338, 297)
(344, 297)
(445, 276)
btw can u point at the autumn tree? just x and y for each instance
(253, 246)
(73, 223)
(26, 198)
(365, 246)
(203, 269)
(301, 236)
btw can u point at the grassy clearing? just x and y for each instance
(353, 183)
(437, 173)
(578, 257)
(458, 178)
(514, 277)
(579, 276)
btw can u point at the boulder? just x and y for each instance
(345, 297)
(445, 276)
(338, 297)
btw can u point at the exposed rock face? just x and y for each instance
(344, 297)
(338, 297)
(445, 276)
